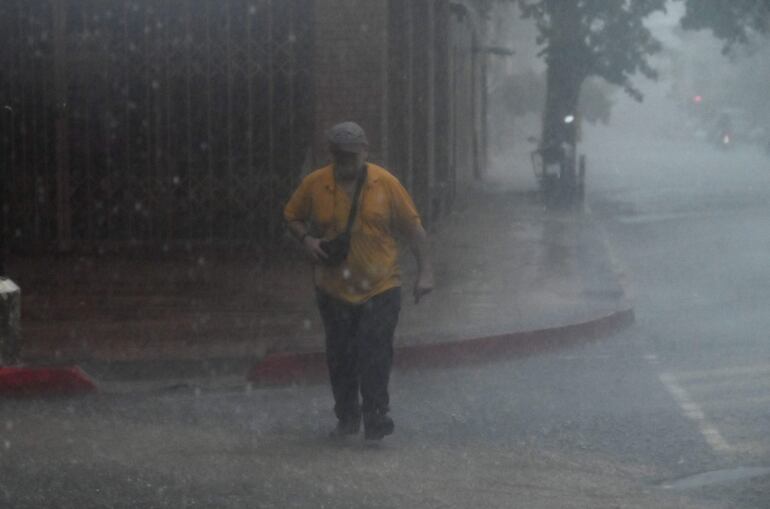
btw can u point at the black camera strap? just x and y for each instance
(354, 207)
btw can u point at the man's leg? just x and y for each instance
(340, 321)
(376, 327)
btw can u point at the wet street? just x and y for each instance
(673, 412)
(690, 225)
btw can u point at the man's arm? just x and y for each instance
(311, 244)
(407, 221)
(296, 214)
(418, 243)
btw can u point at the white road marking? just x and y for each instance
(758, 384)
(747, 402)
(757, 369)
(584, 357)
(693, 411)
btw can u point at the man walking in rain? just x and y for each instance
(347, 217)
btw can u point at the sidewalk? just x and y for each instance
(508, 273)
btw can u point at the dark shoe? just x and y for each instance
(346, 427)
(377, 426)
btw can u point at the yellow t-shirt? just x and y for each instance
(385, 211)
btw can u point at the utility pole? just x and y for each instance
(61, 87)
(10, 294)
(5, 170)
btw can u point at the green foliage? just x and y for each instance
(484, 6)
(610, 40)
(733, 21)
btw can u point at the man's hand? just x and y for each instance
(418, 242)
(312, 246)
(423, 286)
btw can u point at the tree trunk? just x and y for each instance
(561, 100)
(564, 76)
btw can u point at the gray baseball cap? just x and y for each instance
(348, 137)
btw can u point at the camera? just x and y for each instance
(336, 249)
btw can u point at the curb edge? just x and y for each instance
(310, 367)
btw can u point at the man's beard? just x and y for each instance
(347, 172)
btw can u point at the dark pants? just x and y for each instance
(359, 351)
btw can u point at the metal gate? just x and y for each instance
(153, 122)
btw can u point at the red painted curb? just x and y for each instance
(30, 382)
(310, 367)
